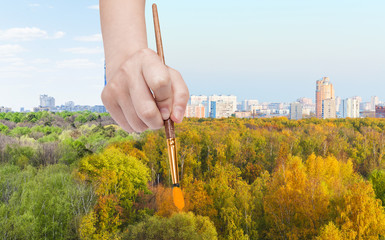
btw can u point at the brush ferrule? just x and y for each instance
(173, 160)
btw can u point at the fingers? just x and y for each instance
(129, 100)
(119, 105)
(130, 114)
(114, 109)
(158, 80)
(144, 104)
(180, 95)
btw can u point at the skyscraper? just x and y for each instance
(295, 111)
(325, 99)
(350, 108)
(47, 101)
(224, 98)
(374, 102)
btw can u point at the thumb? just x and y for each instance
(180, 96)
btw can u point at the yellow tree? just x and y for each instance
(361, 215)
(295, 205)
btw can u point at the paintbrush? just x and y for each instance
(169, 126)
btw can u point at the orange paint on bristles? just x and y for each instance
(178, 198)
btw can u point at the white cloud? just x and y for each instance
(34, 5)
(83, 50)
(91, 38)
(41, 61)
(79, 63)
(27, 34)
(58, 35)
(95, 7)
(7, 50)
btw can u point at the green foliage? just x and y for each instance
(377, 177)
(20, 131)
(44, 203)
(19, 155)
(3, 128)
(117, 178)
(180, 226)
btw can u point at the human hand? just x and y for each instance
(128, 98)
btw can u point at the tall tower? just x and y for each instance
(324, 91)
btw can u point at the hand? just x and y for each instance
(128, 98)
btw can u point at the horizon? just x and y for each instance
(270, 51)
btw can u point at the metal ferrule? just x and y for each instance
(171, 146)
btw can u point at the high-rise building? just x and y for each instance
(221, 109)
(225, 99)
(47, 101)
(296, 111)
(308, 106)
(329, 108)
(248, 104)
(197, 111)
(5, 109)
(338, 104)
(303, 100)
(325, 92)
(196, 100)
(201, 100)
(350, 108)
(374, 102)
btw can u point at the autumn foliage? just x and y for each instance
(241, 179)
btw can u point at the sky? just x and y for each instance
(270, 50)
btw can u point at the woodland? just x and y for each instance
(77, 175)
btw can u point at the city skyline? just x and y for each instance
(260, 49)
(239, 100)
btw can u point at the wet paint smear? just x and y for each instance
(178, 198)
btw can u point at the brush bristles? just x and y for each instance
(178, 198)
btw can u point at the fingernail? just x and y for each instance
(178, 113)
(165, 113)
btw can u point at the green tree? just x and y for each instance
(181, 226)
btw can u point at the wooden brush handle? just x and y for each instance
(168, 124)
(169, 128)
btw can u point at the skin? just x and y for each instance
(134, 71)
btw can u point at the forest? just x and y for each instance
(77, 175)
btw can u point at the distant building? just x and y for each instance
(350, 108)
(5, 109)
(69, 104)
(365, 106)
(248, 104)
(304, 101)
(380, 111)
(41, 109)
(200, 100)
(47, 101)
(374, 102)
(22, 109)
(368, 114)
(296, 111)
(221, 109)
(98, 109)
(329, 108)
(228, 99)
(324, 99)
(338, 104)
(197, 111)
(243, 114)
(308, 107)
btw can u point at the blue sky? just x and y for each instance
(270, 50)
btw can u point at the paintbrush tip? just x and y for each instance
(178, 198)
